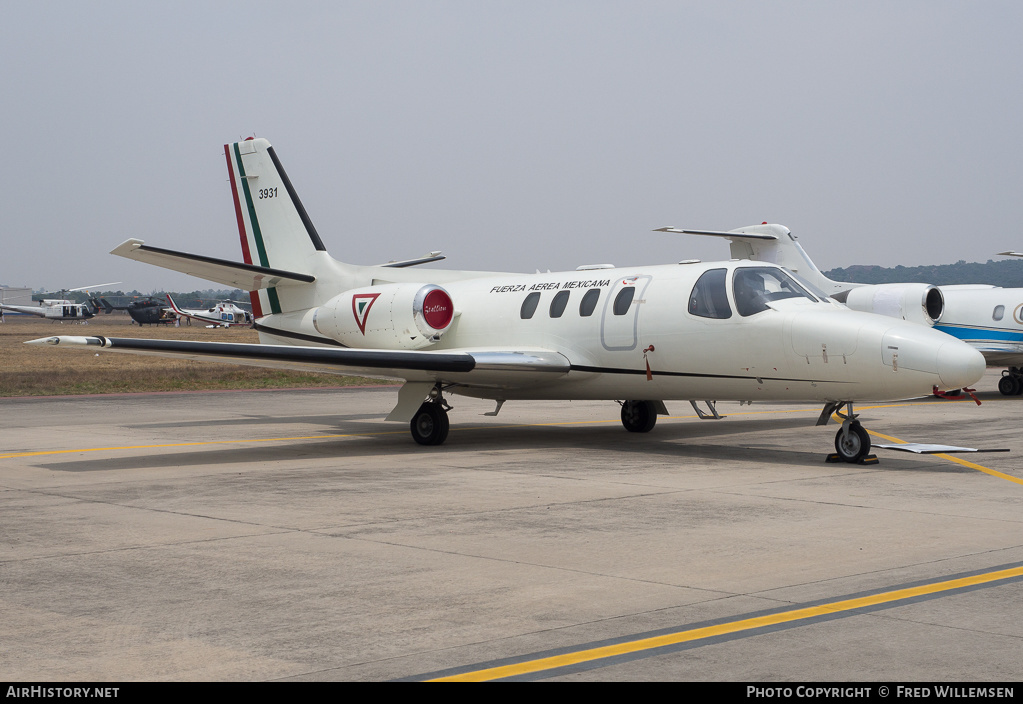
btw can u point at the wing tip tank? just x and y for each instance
(74, 340)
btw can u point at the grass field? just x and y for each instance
(42, 370)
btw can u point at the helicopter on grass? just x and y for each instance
(148, 311)
(61, 309)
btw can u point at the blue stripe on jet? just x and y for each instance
(978, 334)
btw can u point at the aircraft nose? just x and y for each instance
(950, 363)
(959, 365)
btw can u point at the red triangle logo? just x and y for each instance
(361, 303)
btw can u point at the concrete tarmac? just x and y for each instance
(276, 535)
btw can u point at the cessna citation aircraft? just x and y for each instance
(691, 331)
(989, 318)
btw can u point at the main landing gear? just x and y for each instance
(852, 443)
(1011, 383)
(430, 423)
(639, 416)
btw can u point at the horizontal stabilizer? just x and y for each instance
(248, 277)
(774, 244)
(405, 263)
(737, 235)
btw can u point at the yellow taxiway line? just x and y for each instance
(950, 458)
(341, 435)
(695, 634)
(957, 460)
(192, 444)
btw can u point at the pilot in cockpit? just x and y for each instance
(750, 295)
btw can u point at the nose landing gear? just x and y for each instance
(852, 443)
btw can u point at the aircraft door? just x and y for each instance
(619, 325)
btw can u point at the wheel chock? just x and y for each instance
(834, 458)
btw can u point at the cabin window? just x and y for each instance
(709, 299)
(999, 313)
(589, 302)
(755, 287)
(529, 305)
(624, 300)
(559, 304)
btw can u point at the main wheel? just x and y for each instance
(639, 416)
(1009, 385)
(854, 446)
(430, 424)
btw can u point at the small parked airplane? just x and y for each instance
(989, 318)
(224, 314)
(642, 335)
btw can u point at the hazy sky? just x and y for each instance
(512, 135)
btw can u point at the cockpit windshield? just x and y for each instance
(755, 287)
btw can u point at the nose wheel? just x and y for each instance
(852, 443)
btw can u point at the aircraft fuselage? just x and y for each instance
(795, 348)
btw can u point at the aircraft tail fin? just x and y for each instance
(273, 224)
(775, 244)
(275, 229)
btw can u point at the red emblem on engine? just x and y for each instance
(361, 303)
(438, 310)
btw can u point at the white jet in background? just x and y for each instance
(642, 335)
(989, 318)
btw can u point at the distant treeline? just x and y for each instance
(1007, 273)
(189, 299)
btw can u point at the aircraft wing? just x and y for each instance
(489, 368)
(247, 277)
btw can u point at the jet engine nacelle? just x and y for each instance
(916, 303)
(389, 316)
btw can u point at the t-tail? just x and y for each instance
(915, 302)
(275, 229)
(775, 244)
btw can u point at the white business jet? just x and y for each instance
(690, 331)
(989, 318)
